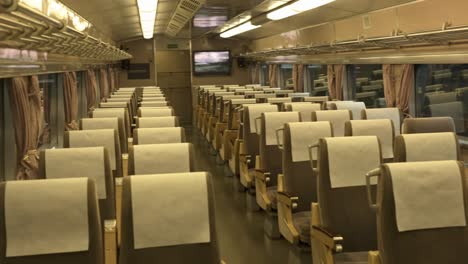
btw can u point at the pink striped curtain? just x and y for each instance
(104, 85)
(403, 93)
(298, 77)
(273, 75)
(336, 75)
(398, 83)
(25, 100)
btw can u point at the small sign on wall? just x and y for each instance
(172, 46)
(139, 71)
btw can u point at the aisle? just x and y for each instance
(240, 233)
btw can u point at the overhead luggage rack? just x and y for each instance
(49, 26)
(397, 41)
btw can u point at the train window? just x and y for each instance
(264, 74)
(54, 117)
(366, 82)
(286, 80)
(316, 79)
(442, 90)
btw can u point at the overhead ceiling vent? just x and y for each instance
(184, 11)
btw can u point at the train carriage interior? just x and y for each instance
(233, 131)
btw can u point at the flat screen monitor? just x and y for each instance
(212, 62)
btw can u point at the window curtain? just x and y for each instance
(398, 82)
(70, 100)
(111, 80)
(25, 100)
(104, 85)
(389, 84)
(91, 91)
(298, 77)
(336, 75)
(273, 75)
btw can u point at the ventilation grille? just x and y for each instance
(184, 11)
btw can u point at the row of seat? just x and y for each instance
(88, 206)
(308, 174)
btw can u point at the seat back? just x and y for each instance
(428, 125)
(382, 128)
(234, 116)
(422, 204)
(270, 154)
(354, 107)
(144, 136)
(427, 147)
(168, 217)
(155, 122)
(50, 221)
(153, 98)
(97, 138)
(250, 133)
(154, 103)
(161, 158)
(224, 106)
(342, 165)
(153, 112)
(337, 118)
(299, 180)
(121, 113)
(125, 105)
(304, 108)
(393, 114)
(93, 163)
(107, 123)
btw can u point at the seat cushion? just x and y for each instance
(272, 193)
(352, 258)
(301, 222)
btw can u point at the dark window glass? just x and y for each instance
(442, 90)
(317, 80)
(366, 83)
(286, 76)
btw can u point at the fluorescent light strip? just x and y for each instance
(296, 8)
(239, 29)
(147, 10)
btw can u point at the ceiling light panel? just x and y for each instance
(296, 8)
(239, 29)
(147, 11)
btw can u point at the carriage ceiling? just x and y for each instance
(119, 18)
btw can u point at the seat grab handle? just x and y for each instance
(311, 156)
(371, 174)
(257, 126)
(278, 138)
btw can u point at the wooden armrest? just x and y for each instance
(125, 164)
(110, 225)
(327, 238)
(110, 241)
(374, 257)
(262, 175)
(287, 199)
